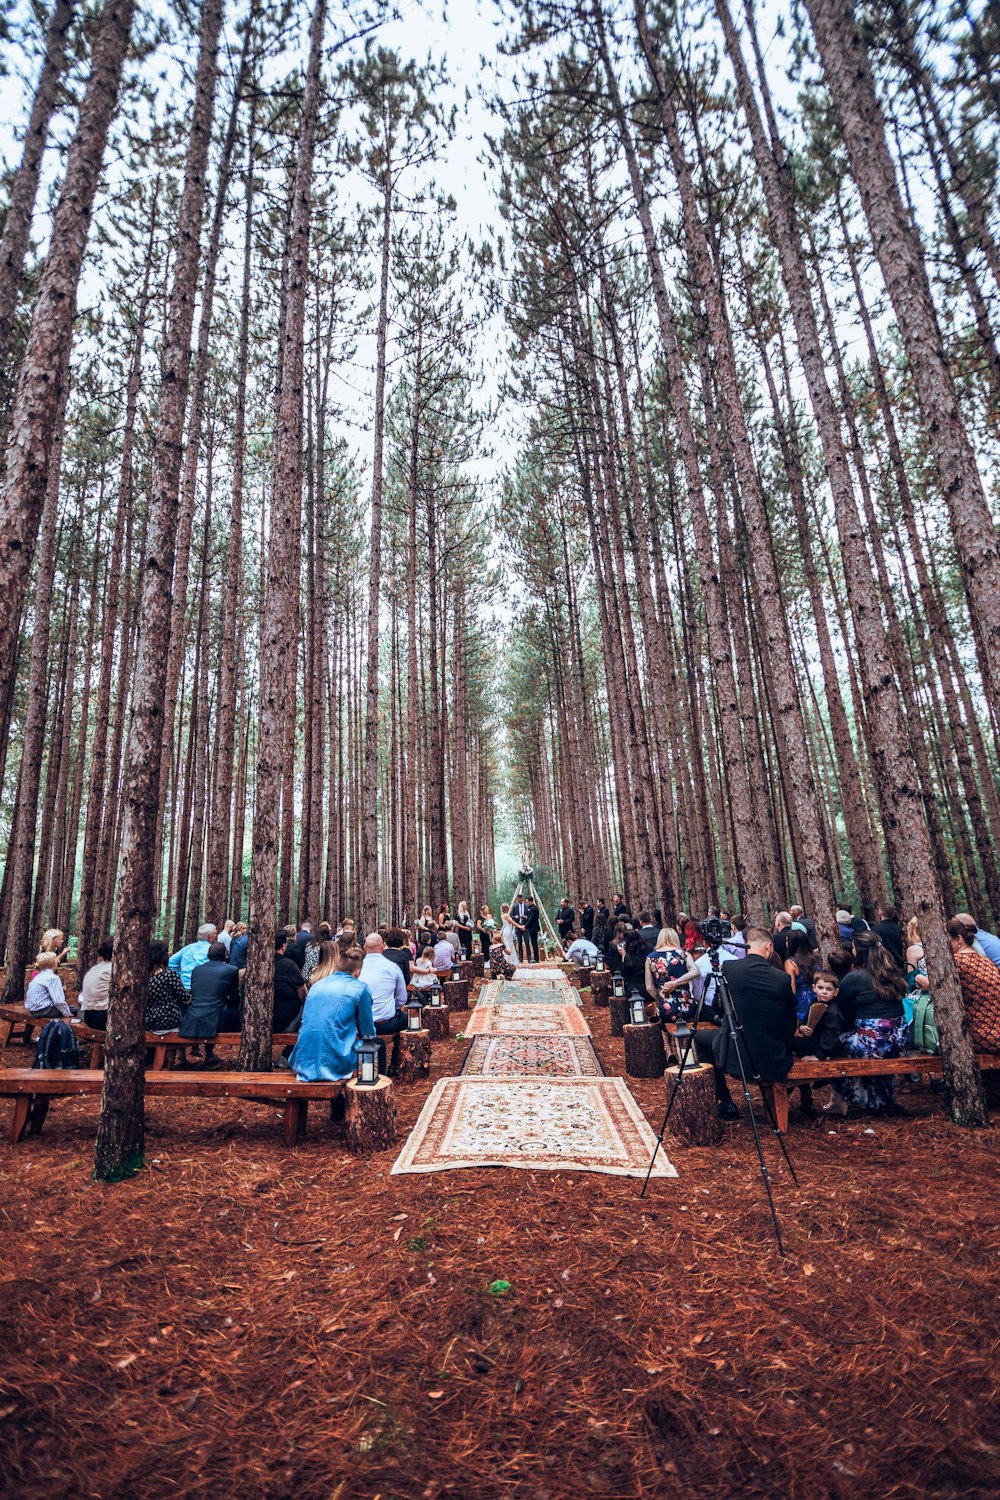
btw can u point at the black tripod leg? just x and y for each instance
(765, 1174)
(670, 1102)
(769, 1111)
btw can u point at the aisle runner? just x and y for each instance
(530, 1094)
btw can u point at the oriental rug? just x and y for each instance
(557, 1125)
(528, 1020)
(525, 975)
(512, 992)
(532, 1057)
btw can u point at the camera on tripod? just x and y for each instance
(715, 931)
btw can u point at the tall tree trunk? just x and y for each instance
(120, 1135)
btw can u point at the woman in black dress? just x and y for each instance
(166, 998)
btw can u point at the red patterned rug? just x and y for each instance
(532, 1057)
(528, 1020)
(543, 1124)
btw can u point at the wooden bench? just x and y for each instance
(32, 1090)
(166, 1046)
(832, 1069)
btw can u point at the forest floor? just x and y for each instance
(241, 1320)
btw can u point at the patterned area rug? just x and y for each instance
(566, 1124)
(532, 1057)
(512, 992)
(529, 1020)
(525, 975)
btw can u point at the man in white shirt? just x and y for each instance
(580, 948)
(388, 990)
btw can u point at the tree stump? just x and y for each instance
(619, 1008)
(600, 986)
(467, 970)
(435, 1018)
(694, 1119)
(644, 1055)
(478, 965)
(456, 994)
(370, 1116)
(582, 980)
(414, 1056)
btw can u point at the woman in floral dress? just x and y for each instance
(669, 972)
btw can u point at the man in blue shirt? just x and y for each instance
(185, 959)
(238, 946)
(987, 942)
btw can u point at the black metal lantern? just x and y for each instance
(681, 1038)
(455, 970)
(368, 1062)
(637, 1006)
(414, 1013)
(618, 986)
(599, 965)
(434, 998)
(588, 960)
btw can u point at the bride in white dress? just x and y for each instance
(507, 933)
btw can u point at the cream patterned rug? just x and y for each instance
(513, 992)
(524, 974)
(532, 1057)
(565, 1124)
(528, 1020)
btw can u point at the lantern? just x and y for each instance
(637, 1006)
(414, 1011)
(588, 960)
(368, 1062)
(434, 998)
(681, 1039)
(598, 965)
(618, 986)
(455, 970)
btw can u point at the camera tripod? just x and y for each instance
(732, 1030)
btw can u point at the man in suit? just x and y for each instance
(764, 1002)
(621, 910)
(519, 917)
(587, 920)
(532, 923)
(648, 931)
(565, 918)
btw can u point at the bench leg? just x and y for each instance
(36, 1119)
(6, 1027)
(22, 1105)
(303, 1120)
(776, 1095)
(159, 1057)
(290, 1120)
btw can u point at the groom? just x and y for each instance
(519, 917)
(532, 922)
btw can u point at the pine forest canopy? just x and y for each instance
(568, 427)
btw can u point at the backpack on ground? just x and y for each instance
(924, 1026)
(57, 1047)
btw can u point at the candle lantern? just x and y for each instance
(414, 1012)
(599, 965)
(618, 986)
(637, 1005)
(588, 960)
(455, 970)
(368, 1062)
(681, 1038)
(434, 998)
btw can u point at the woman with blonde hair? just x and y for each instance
(670, 969)
(507, 936)
(326, 961)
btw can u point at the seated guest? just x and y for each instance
(916, 968)
(871, 997)
(669, 974)
(798, 915)
(295, 948)
(215, 999)
(315, 941)
(186, 959)
(337, 1017)
(397, 951)
(388, 993)
(986, 943)
(54, 941)
(980, 982)
(891, 933)
(444, 954)
(289, 986)
(765, 1007)
(166, 998)
(347, 930)
(226, 934)
(305, 932)
(238, 946)
(800, 966)
(93, 1001)
(502, 964)
(45, 997)
(579, 949)
(423, 976)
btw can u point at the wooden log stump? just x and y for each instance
(370, 1116)
(600, 986)
(435, 1018)
(619, 1008)
(582, 980)
(644, 1055)
(414, 1056)
(694, 1119)
(467, 970)
(478, 965)
(456, 994)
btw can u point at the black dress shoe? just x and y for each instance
(728, 1110)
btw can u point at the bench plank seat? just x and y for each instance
(33, 1088)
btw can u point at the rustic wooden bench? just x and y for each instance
(12, 1016)
(831, 1069)
(166, 1045)
(32, 1090)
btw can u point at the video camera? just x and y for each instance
(715, 931)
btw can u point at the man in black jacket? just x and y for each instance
(532, 922)
(565, 920)
(764, 1002)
